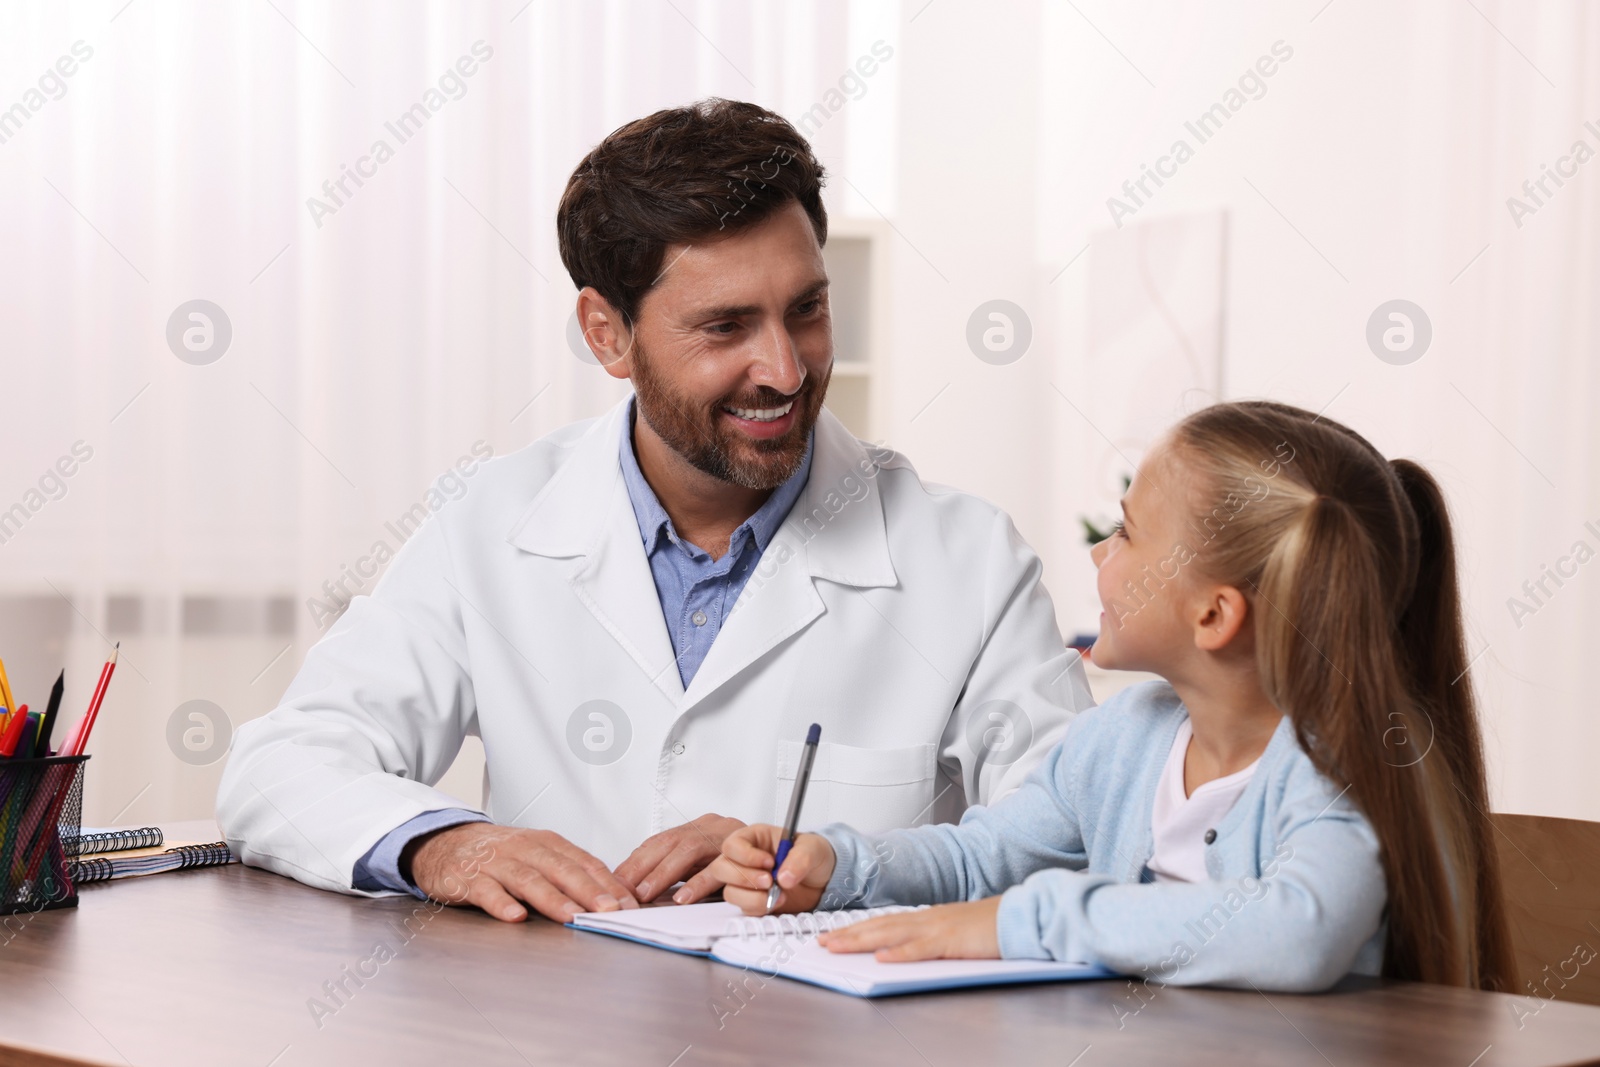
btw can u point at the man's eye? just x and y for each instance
(1118, 529)
(808, 307)
(723, 329)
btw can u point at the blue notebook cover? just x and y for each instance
(640, 940)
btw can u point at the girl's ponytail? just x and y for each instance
(1433, 641)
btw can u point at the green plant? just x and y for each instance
(1093, 534)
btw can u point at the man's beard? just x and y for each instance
(697, 434)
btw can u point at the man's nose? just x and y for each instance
(776, 362)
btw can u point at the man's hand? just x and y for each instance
(745, 866)
(499, 867)
(947, 932)
(674, 855)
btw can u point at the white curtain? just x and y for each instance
(380, 331)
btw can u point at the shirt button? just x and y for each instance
(698, 618)
(1211, 835)
(677, 749)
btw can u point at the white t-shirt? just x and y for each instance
(1180, 822)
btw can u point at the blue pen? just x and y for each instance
(807, 756)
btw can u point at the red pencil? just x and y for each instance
(81, 740)
(13, 731)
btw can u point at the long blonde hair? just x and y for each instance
(1349, 562)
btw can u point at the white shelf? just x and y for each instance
(858, 268)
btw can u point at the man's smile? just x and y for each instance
(759, 414)
(765, 424)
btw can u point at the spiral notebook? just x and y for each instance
(150, 861)
(786, 945)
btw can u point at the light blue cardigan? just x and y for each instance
(1297, 893)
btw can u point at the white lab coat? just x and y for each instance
(908, 619)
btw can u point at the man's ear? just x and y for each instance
(605, 332)
(1222, 615)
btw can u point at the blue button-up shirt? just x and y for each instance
(696, 593)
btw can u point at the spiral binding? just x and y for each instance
(117, 840)
(805, 924)
(203, 855)
(94, 870)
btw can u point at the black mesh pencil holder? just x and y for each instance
(41, 815)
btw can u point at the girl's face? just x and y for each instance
(1143, 572)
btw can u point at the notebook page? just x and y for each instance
(858, 973)
(686, 926)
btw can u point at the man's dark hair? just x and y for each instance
(684, 174)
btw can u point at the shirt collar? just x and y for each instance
(654, 522)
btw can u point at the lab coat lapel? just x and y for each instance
(835, 531)
(584, 511)
(772, 606)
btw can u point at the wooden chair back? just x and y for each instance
(1550, 873)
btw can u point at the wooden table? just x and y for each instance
(220, 966)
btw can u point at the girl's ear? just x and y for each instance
(1222, 616)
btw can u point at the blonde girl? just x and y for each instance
(1302, 796)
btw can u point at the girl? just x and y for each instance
(1302, 797)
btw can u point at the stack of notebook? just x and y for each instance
(108, 854)
(787, 945)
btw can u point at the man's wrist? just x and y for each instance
(412, 847)
(380, 870)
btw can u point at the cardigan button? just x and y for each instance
(1211, 835)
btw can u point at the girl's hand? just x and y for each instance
(745, 866)
(947, 932)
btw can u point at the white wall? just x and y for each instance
(1390, 141)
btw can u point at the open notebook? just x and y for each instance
(787, 945)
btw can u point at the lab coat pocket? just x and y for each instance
(871, 789)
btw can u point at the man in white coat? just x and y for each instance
(642, 613)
